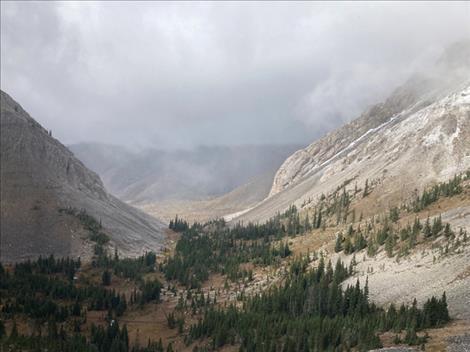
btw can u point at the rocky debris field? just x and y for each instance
(459, 343)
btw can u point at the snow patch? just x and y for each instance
(363, 136)
(232, 216)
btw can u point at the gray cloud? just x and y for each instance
(181, 74)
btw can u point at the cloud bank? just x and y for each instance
(176, 75)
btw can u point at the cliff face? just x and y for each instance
(39, 176)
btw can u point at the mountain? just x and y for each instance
(151, 175)
(198, 184)
(383, 160)
(227, 205)
(39, 177)
(419, 135)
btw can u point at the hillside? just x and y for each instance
(220, 287)
(39, 177)
(419, 135)
(418, 268)
(239, 199)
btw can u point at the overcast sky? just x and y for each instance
(181, 74)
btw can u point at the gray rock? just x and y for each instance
(39, 176)
(459, 343)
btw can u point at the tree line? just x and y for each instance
(312, 312)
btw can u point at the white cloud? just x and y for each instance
(179, 74)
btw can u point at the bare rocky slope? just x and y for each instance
(419, 135)
(39, 176)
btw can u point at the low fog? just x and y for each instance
(178, 75)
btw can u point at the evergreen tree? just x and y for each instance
(2, 329)
(394, 214)
(389, 245)
(427, 228)
(436, 226)
(447, 230)
(14, 331)
(339, 243)
(366, 189)
(106, 278)
(319, 219)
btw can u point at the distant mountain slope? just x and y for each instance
(241, 198)
(39, 176)
(419, 135)
(151, 176)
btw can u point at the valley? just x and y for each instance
(359, 241)
(199, 184)
(189, 301)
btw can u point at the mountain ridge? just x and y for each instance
(371, 147)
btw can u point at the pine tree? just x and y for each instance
(169, 348)
(443, 310)
(14, 331)
(2, 329)
(447, 230)
(76, 309)
(427, 228)
(348, 246)
(339, 243)
(366, 189)
(394, 214)
(436, 226)
(125, 336)
(352, 264)
(307, 225)
(416, 227)
(389, 245)
(52, 329)
(106, 278)
(411, 338)
(160, 345)
(366, 290)
(319, 220)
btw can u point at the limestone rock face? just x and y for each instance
(39, 176)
